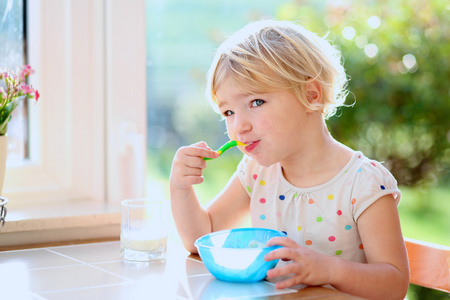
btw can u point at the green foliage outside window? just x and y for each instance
(397, 57)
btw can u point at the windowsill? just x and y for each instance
(28, 224)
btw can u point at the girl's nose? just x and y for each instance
(241, 124)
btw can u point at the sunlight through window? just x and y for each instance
(348, 32)
(374, 22)
(371, 50)
(409, 61)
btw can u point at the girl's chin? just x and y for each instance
(263, 161)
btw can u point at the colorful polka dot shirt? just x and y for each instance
(322, 217)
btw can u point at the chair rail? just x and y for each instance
(429, 264)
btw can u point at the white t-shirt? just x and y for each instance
(324, 217)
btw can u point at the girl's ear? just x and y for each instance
(314, 92)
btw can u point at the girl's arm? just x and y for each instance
(384, 276)
(191, 219)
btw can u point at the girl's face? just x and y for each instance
(275, 126)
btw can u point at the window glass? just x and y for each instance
(12, 55)
(181, 39)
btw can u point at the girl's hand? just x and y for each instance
(188, 165)
(308, 267)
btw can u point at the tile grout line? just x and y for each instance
(53, 267)
(90, 265)
(73, 265)
(62, 246)
(35, 295)
(193, 259)
(21, 250)
(200, 275)
(82, 244)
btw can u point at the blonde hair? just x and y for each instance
(269, 55)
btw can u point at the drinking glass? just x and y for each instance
(144, 229)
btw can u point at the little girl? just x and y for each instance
(275, 83)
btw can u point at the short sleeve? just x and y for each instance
(372, 182)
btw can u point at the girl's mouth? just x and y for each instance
(251, 146)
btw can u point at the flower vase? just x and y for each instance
(3, 154)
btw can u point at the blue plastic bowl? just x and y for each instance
(237, 255)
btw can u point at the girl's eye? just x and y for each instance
(257, 102)
(228, 113)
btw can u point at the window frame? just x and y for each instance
(87, 133)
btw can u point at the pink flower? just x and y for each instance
(14, 89)
(26, 88)
(26, 71)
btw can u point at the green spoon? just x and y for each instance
(227, 146)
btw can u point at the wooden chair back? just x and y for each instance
(429, 264)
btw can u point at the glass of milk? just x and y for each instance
(144, 227)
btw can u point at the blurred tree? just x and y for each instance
(396, 54)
